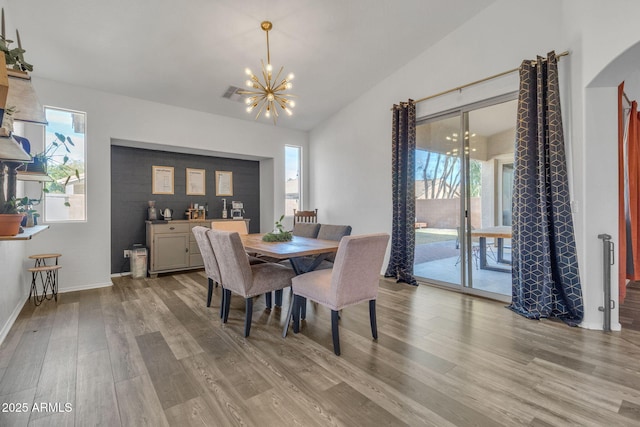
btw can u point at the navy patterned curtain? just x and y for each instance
(403, 243)
(545, 277)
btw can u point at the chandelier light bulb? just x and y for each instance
(267, 113)
(292, 104)
(249, 109)
(291, 76)
(248, 71)
(249, 83)
(288, 85)
(269, 68)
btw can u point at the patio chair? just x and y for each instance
(240, 277)
(354, 279)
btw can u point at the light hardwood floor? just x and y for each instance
(148, 352)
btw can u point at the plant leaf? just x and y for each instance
(60, 136)
(67, 204)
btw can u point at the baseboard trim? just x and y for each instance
(125, 274)
(10, 321)
(615, 327)
(84, 287)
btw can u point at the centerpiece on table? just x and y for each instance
(278, 234)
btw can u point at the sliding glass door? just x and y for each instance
(464, 171)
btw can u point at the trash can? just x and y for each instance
(138, 262)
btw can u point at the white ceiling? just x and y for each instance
(186, 53)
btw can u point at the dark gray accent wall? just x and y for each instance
(131, 191)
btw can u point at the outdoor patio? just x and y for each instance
(436, 257)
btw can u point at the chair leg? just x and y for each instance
(267, 300)
(372, 318)
(222, 300)
(303, 308)
(278, 301)
(248, 316)
(227, 305)
(209, 292)
(296, 313)
(334, 332)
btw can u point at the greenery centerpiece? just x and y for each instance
(279, 234)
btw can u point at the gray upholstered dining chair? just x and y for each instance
(304, 229)
(242, 278)
(210, 263)
(353, 279)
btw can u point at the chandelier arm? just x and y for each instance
(278, 75)
(262, 104)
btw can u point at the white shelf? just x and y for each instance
(10, 150)
(29, 232)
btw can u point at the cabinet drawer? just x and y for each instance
(171, 228)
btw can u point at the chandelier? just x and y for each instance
(267, 93)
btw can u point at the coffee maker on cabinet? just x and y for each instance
(237, 210)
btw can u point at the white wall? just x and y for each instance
(351, 152)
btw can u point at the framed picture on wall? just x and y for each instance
(196, 182)
(161, 180)
(224, 183)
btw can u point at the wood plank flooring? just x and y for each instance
(150, 353)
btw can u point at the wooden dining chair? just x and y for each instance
(305, 216)
(354, 279)
(246, 280)
(233, 225)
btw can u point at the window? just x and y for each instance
(65, 195)
(293, 193)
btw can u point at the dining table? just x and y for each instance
(499, 233)
(304, 253)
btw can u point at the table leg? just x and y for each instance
(483, 252)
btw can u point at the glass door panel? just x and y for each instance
(439, 186)
(489, 145)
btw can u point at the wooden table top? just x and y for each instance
(299, 246)
(501, 231)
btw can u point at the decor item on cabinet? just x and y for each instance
(196, 213)
(11, 213)
(195, 182)
(166, 214)
(152, 211)
(279, 234)
(270, 92)
(224, 183)
(50, 165)
(162, 180)
(237, 210)
(224, 208)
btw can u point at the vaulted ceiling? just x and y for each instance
(187, 53)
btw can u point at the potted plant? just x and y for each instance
(44, 162)
(279, 234)
(11, 214)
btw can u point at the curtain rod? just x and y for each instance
(565, 53)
